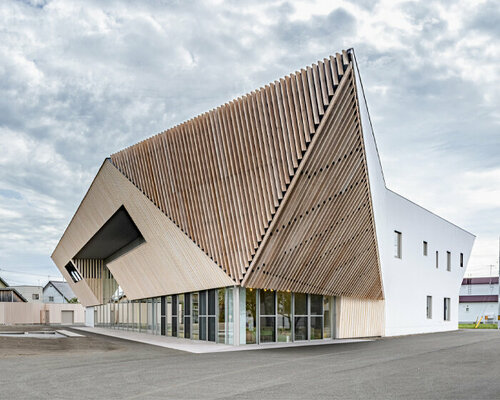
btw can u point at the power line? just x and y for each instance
(28, 273)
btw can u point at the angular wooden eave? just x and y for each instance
(167, 263)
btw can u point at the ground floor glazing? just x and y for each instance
(231, 315)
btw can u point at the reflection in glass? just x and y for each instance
(284, 300)
(268, 316)
(229, 316)
(316, 304)
(180, 314)
(187, 315)
(300, 328)
(203, 315)
(195, 316)
(300, 303)
(150, 316)
(174, 315)
(300, 306)
(211, 329)
(251, 316)
(327, 316)
(316, 327)
(143, 316)
(169, 315)
(221, 293)
(212, 323)
(267, 329)
(267, 302)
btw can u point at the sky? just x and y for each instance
(82, 80)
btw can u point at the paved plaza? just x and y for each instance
(455, 365)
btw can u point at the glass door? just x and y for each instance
(203, 315)
(267, 316)
(300, 312)
(211, 316)
(316, 320)
(284, 303)
(195, 316)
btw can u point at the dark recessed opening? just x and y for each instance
(73, 272)
(116, 237)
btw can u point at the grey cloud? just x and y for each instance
(486, 19)
(81, 81)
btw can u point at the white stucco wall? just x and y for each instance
(408, 281)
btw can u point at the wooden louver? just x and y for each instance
(272, 186)
(221, 176)
(322, 239)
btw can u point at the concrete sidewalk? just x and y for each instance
(201, 347)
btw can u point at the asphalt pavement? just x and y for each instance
(454, 365)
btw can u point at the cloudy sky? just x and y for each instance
(81, 80)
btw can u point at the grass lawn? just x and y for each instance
(481, 326)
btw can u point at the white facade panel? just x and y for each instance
(407, 281)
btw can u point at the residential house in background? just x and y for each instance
(32, 294)
(9, 294)
(57, 292)
(479, 298)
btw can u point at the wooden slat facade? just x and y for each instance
(167, 263)
(322, 239)
(220, 177)
(359, 317)
(267, 191)
(98, 278)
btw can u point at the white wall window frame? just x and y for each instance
(398, 244)
(446, 309)
(429, 307)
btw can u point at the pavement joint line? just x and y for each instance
(69, 334)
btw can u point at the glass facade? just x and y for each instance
(265, 316)
(267, 302)
(284, 302)
(251, 316)
(301, 312)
